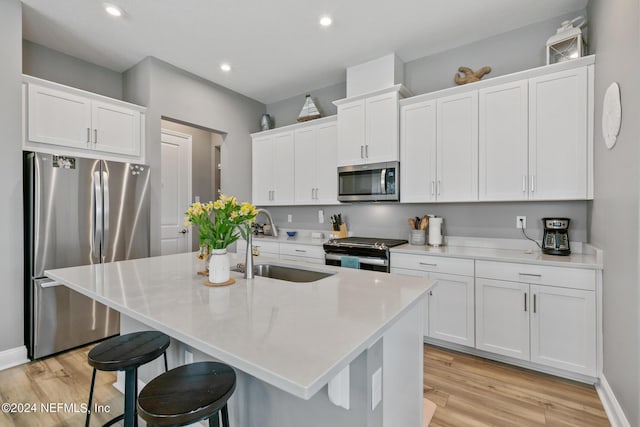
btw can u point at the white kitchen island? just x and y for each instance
(346, 350)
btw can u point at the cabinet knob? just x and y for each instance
(183, 231)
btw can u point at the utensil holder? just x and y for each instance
(418, 237)
(339, 234)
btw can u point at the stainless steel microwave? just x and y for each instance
(369, 182)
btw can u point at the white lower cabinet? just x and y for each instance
(450, 302)
(300, 252)
(549, 325)
(502, 318)
(451, 309)
(563, 328)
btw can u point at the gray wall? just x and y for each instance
(49, 64)
(286, 112)
(614, 215)
(11, 246)
(506, 53)
(201, 164)
(175, 94)
(463, 219)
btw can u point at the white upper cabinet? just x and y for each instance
(115, 129)
(558, 135)
(58, 117)
(525, 136)
(439, 149)
(381, 113)
(272, 169)
(418, 152)
(64, 120)
(368, 129)
(315, 164)
(351, 133)
(326, 164)
(296, 165)
(503, 135)
(457, 147)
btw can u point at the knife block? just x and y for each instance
(339, 234)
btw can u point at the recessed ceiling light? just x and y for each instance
(225, 67)
(112, 9)
(325, 21)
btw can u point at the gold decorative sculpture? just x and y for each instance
(470, 76)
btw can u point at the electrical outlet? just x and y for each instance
(289, 218)
(188, 357)
(521, 222)
(321, 216)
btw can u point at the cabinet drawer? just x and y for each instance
(433, 264)
(538, 274)
(309, 251)
(266, 247)
(302, 259)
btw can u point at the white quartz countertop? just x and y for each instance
(588, 261)
(294, 336)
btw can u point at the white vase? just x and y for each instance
(219, 266)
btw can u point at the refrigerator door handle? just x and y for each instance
(97, 216)
(105, 213)
(45, 285)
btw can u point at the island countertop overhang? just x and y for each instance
(294, 336)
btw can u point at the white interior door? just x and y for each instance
(176, 192)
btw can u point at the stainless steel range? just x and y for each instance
(366, 253)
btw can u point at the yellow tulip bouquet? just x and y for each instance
(230, 221)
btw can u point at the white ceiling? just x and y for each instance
(276, 48)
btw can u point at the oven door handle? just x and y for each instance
(363, 260)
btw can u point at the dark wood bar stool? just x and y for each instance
(188, 394)
(126, 353)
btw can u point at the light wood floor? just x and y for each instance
(468, 391)
(63, 379)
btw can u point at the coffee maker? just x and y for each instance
(556, 236)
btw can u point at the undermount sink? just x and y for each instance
(289, 274)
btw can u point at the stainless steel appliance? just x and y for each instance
(556, 236)
(370, 253)
(77, 211)
(370, 182)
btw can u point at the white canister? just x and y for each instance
(435, 231)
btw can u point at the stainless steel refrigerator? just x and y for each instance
(77, 211)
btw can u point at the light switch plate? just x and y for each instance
(289, 218)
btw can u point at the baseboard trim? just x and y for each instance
(611, 406)
(13, 357)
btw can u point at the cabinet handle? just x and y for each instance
(88, 135)
(362, 151)
(534, 303)
(532, 184)
(525, 301)
(273, 192)
(430, 293)
(301, 250)
(524, 183)
(312, 193)
(433, 184)
(438, 187)
(366, 151)
(317, 193)
(427, 264)
(530, 275)
(95, 136)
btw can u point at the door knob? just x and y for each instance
(183, 231)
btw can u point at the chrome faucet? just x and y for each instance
(248, 262)
(274, 231)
